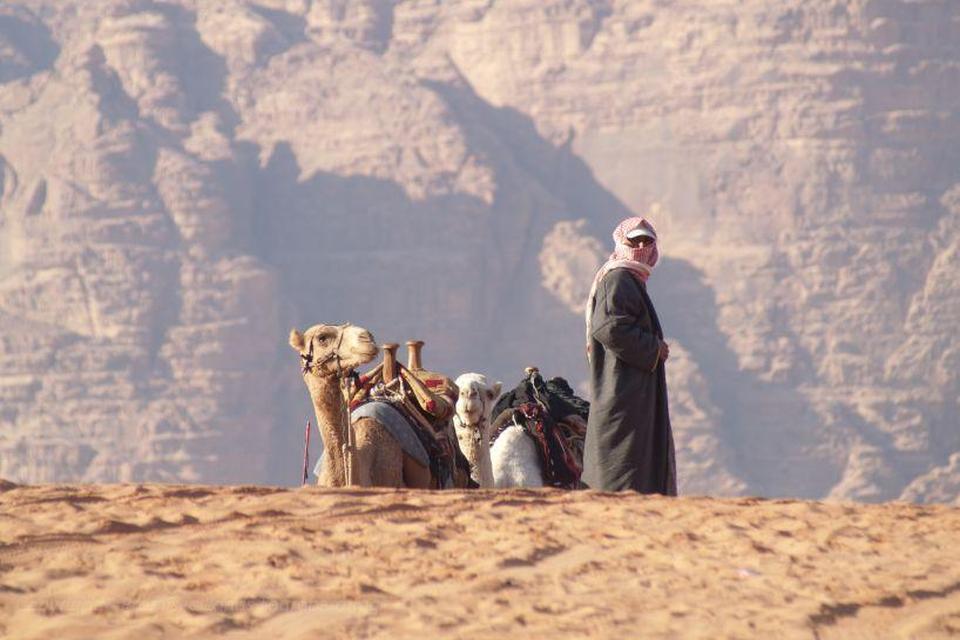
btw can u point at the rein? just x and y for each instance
(349, 447)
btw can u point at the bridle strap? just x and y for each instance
(309, 364)
(478, 427)
(343, 382)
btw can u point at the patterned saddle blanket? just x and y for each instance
(555, 419)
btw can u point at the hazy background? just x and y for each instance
(183, 182)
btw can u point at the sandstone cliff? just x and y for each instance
(182, 181)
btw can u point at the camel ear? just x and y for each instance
(296, 340)
(494, 391)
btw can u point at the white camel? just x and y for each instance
(513, 460)
(472, 424)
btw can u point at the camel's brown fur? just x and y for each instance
(380, 460)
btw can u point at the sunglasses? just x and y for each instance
(640, 241)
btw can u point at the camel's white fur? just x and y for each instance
(513, 460)
(472, 423)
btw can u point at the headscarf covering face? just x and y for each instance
(639, 261)
(623, 251)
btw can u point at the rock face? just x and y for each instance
(183, 181)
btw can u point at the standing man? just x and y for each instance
(629, 441)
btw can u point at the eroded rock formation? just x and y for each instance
(183, 181)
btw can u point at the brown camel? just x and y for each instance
(326, 353)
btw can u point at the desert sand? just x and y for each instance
(146, 561)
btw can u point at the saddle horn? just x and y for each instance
(415, 355)
(390, 362)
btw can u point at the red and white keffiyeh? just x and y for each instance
(639, 261)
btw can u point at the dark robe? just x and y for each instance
(629, 442)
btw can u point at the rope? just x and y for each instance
(349, 447)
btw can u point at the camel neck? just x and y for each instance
(485, 464)
(477, 450)
(328, 405)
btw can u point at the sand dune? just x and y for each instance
(150, 561)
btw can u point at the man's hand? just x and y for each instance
(664, 351)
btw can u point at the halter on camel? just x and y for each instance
(478, 427)
(343, 381)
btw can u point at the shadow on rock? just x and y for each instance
(767, 426)
(26, 45)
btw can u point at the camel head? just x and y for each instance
(476, 398)
(327, 349)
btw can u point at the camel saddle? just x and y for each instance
(426, 401)
(554, 417)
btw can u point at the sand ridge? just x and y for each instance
(119, 561)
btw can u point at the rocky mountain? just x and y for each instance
(183, 181)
